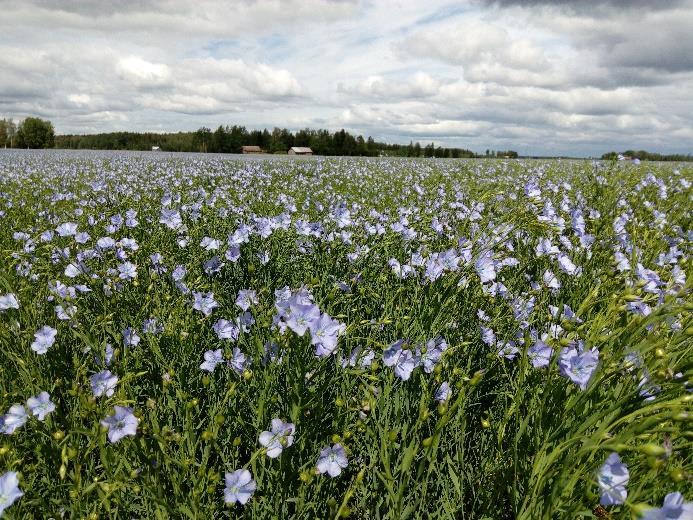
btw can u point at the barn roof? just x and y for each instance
(301, 149)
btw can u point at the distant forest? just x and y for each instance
(230, 139)
(37, 133)
(647, 156)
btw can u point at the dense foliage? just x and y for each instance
(33, 132)
(8, 130)
(323, 338)
(648, 156)
(230, 139)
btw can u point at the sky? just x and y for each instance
(541, 77)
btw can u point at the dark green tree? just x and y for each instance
(3, 133)
(35, 133)
(202, 139)
(230, 139)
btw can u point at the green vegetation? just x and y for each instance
(478, 340)
(31, 133)
(230, 139)
(648, 156)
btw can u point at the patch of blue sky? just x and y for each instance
(453, 10)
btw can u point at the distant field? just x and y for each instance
(205, 336)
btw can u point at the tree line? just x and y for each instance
(231, 139)
(33, 132)
(37, 133)
(647, 156)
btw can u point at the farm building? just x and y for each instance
(300, 150)
(251, 149)
(156, 149)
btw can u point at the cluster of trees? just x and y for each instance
(34, 132)
(230, 139)
(37, 133)
(512, 154)
(647, 156)
(178, 142)
(30, 133)
(8, 131)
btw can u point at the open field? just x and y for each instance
(324, 338)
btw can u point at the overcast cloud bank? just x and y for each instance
(537, 76)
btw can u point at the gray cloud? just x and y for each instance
(544, 77)
(588, 4)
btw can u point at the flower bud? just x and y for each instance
(652, 450)
(567, 325)
(677, 475)
(476, 378)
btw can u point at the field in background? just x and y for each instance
(374, 338)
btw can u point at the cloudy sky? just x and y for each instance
(542, 77)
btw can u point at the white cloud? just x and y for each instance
(476, 41)
(142, 73)
(421, 85)
(224, 77)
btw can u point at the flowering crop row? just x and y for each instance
(193, 337)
